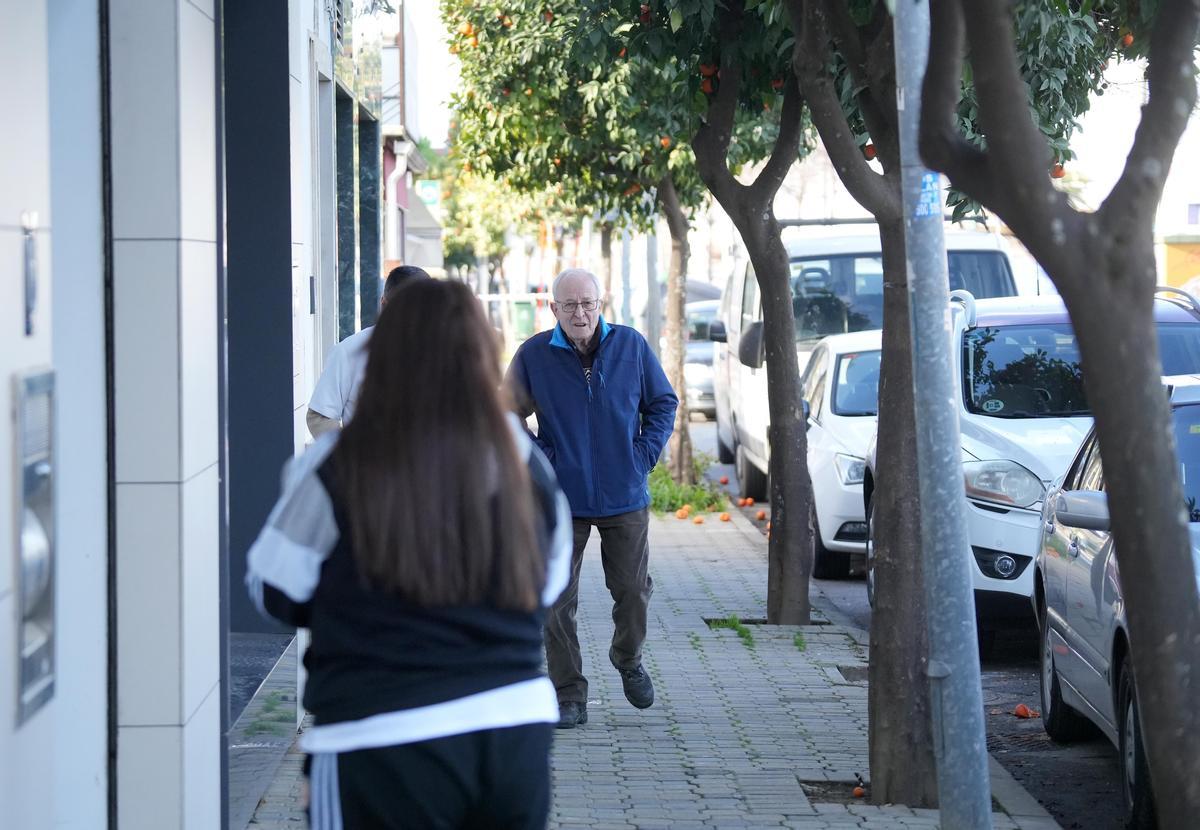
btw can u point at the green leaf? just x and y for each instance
(676, 20)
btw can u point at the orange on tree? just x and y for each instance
(708, 69)
(1127, 40)
(1057, 171)
(706, 86)
(665, 141)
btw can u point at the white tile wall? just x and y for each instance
(149, 594)
(201, 761)
(206, 6)
(24, 152)
(146, 354)
(197, 368)
(25, 779)
(145, 119)
(200, 621)
(150, 778)
(197, 126)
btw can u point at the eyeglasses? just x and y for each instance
(570, 306)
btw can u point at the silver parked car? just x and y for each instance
(1085, 656)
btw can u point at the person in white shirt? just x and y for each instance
(333, 399)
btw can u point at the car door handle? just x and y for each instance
(1073, 547)
(1049, 526)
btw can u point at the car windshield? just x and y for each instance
(836, 294)
(856, 391)
(1033, 371)
(1187, 444)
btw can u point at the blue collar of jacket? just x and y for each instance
(558, 338)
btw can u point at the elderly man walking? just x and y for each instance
(604, 411)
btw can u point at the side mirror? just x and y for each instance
(716, 332)
(1085, 509)
(750, 346)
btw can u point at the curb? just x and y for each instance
(1013, 798)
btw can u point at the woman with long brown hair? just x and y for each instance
(421, 545)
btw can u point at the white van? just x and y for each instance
(837, 286)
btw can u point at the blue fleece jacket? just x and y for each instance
(602, 437)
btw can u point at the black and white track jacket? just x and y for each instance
(381, 671)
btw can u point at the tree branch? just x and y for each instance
(787, 146)
(810, 57)
(711, 142)
(1172, 82)
(849, 40)
(943, 147)
(1018, 152)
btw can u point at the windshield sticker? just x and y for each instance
(992, 405)
(1194, 429)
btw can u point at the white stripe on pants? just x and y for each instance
(325, 802)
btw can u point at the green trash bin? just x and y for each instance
(523, 320)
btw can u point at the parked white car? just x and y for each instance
(1085, 655)
(837, 287)
(840, 388)
(1023, 416)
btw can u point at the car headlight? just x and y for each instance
(1002, 482)
(849, 468)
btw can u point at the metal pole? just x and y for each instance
(960, 745)
(653, 297)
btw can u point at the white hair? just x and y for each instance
(576, 272)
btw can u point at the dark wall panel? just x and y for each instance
(258, 231)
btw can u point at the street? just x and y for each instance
(1078, 784)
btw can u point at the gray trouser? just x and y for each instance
(625, 554)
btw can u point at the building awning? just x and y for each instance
(422, 237)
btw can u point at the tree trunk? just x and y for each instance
(790, 548)
(903, 767)
(900, 736)
(679, 460)
(1113, 320)
(606, 268)
(1103, 265)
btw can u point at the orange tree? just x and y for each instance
(836, 57)
(1103, 264)
(723, 87)
(542, 108)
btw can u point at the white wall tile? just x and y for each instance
(202, 766)
(206, 6)
(24, 152)
(26, 758)
(197, 368)
(145, 119)
(149, 777)
(200, 595)
(197, 125)
(148, 605)
(146, 354)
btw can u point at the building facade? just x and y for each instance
(189, 220)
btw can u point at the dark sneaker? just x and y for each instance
(638, 689)
(571, 713)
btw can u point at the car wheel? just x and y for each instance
(827, 564)
(870, 579)
(724, 451)
(1135, 770)
(1062, 723)
(752, 482)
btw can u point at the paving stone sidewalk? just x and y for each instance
(736, 727)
